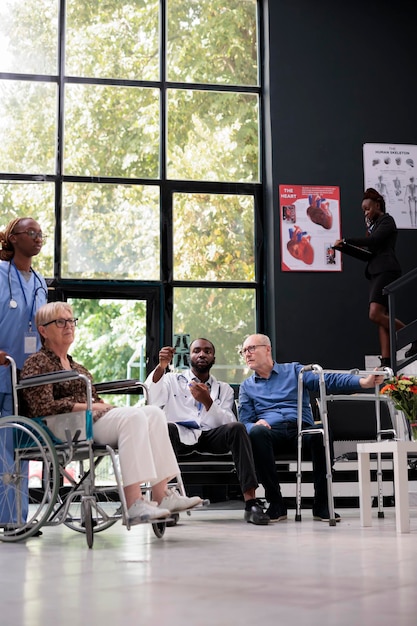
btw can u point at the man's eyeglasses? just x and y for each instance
(250, 349)
(61, 323)
(33, 234)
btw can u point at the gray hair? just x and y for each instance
(50, 311)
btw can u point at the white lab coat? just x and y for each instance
(173, 395)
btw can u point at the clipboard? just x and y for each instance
(363, 254)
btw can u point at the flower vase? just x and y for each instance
(413, 428)
(412, 419)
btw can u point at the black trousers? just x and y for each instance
(282, 438)
(220, 440)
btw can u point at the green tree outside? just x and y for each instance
(112, 230)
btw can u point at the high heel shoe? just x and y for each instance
(385, 361)
(412, 350)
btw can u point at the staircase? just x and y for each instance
(404, 336)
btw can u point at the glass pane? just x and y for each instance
(224, 316)
(110, 341)
(110, 232)
(27, 127)
(111, 131)
(113, 39)
(32, 200)
(214, 237)
(213, 136)
(213, 41)
(29, 36)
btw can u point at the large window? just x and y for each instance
(132, 132)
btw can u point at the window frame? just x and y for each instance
(158, 294)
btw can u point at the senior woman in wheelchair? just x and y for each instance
(139, 433)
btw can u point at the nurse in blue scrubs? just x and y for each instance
(22, 292)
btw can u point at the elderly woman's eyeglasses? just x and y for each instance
(250, 349)
(33, 234)
(61, 323)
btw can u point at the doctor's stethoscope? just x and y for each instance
(13, 303)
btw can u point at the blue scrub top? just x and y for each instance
(29, 296)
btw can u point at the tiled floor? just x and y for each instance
(213, 568)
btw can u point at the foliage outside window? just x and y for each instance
(224, 316)
(27, 127)
(36, 200)
(113, 39)
(213, 237)
(109, 336)
(110, 231)
(212, 136)
(219, 36)
(111, 131)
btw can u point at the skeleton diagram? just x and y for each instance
(411, 197)
(382, 188)
(397, 186)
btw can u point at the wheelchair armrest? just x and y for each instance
(44, 379)
(128, 386)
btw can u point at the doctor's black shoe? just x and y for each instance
(277, 512)
(254, 514)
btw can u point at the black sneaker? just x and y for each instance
(324, 516)
(277, 512)
(256, 515)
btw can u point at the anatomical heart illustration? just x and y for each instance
(299, 245)
(318, 211)
(310, 224)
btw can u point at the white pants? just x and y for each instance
(141, 436)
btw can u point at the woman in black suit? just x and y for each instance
(383, 267)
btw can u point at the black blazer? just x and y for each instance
(381, 242)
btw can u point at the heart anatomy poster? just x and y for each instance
(310, 224)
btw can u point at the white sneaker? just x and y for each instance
(176, 502)
(142, 511)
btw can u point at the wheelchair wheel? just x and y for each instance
(159, 529)
(88, 520)
(24, 510)
(173, 520)
(103, 513)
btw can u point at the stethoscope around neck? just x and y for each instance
(12, 302)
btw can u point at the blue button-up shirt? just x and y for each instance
(275, 399)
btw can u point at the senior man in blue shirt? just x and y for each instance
(268, 408)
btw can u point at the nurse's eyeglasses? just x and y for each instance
(33, 234)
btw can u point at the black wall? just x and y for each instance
(340, 74)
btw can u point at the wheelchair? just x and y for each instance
(57, 443)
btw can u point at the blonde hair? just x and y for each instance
(49, 312)
(7, 248)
